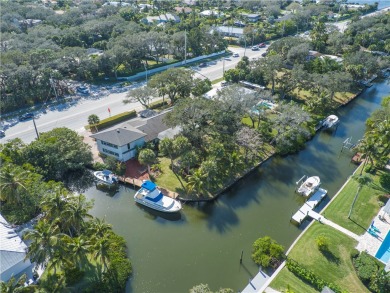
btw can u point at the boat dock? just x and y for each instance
(309, 205)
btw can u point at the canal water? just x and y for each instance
(204, 243)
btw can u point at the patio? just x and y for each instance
(370, 243)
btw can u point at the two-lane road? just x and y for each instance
(75, 116)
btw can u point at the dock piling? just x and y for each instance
(242, 252)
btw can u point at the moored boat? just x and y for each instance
(106, 176)
(149, 195)
(330, 121)
(309, 185)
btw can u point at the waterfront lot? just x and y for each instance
(335, 267)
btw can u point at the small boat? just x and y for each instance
(106, 176)
(308, 186)
(149, 195)
(330, 121)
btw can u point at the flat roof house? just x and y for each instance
(229, 31)
(121, 141)
(12, 252)
(163, 18)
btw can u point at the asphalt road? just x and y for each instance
(74, 115)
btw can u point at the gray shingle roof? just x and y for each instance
(119, 136)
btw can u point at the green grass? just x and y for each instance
(217, 80)
(167, 179)
(335, 267)
(365, 208)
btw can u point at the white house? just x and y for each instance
(12, 252)
(163, 18)
(122, 141)
(230, 31)
(208, 13)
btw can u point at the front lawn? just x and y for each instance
(334, 267)
(364, 210)
(167, 179)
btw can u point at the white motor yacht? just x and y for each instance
(310, 185)
(149, 195)
(106, 176)
(330, 121)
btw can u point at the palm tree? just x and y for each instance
(367, 147)
(78, 248)
(98, 228)
(45, 241)
(13, 181)
(93, 119)
(362, 180)
(101, 251)
(75, 214)
(196, 182)
(55, 203)
(147, 157)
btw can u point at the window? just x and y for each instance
(109, 144)
(110, 152)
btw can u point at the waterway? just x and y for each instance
(381, 3)
(204, 243)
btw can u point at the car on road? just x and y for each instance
(26, 116)
(204, 64)
(264, 54)
(2, 133)
(255, 48)
(236, 55)
(82, 90)
(261, 45)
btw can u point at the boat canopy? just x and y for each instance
(149, 185)
(106, 172)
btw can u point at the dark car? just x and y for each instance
(2, 133)
(83, 90)
(204, 64)
(264, 54)
(26, 116)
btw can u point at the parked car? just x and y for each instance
(2, 133)
(264, 54)
(262, 45)
(26, 116)
(255, 48)
(83, 90)
(224, 83)
(236, 55)
(204, 64)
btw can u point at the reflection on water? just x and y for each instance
(79, 181)
(109, 190)
(157, 215)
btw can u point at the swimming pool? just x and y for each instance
(383, 253)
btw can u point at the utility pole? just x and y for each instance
(185, 46)
(36, 130)
(223, 66)
(146, 71)
(53, 87)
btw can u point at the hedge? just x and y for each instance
(310, 277)
(113, 120)
(158, 104)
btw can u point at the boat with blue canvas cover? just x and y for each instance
(106, 176)
(149, 195)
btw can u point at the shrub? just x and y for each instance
(158, 104)
(322, 243)
(309, 277)
(354, 253)
(99, 166)
(384, 180)
(366, 267)
(267, 252)
(113, 120)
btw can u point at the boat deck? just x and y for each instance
(309, 205)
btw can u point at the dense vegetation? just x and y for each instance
(66, 239)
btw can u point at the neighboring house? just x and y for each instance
(229, 31)
(145, 6)
(163, 18)
(211, 13)
(116, 4)
(122, 141)
(186, 10)
(251, 17)
(12, 252)
(30, 22)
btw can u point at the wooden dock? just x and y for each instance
(309, 205)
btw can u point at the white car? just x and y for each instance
(236, 55)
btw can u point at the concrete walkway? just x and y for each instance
(256, 283)
(325, 221)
